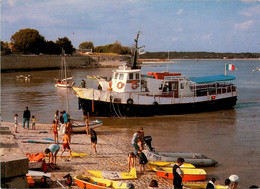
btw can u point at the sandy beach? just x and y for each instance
(112, 147)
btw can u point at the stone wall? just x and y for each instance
(42, 62)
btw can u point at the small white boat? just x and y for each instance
(196, 159)
(80, 126)
(65, 75)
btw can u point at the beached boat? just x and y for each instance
(170, 164)
(80, 126)
(201, 185)
(84, 181)
(65, 76)
(133, 93)
(196, 159)
(113, 175)
(190, 174)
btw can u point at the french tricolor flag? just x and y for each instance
(230, 67)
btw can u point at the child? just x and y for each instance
(55, 131)
(15, 123)
(142, 161)
(52, 151)
(93, 137)
(131, 161)
(66, 144)
(33, 122)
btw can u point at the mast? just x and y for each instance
(135, 52)
(65, 74)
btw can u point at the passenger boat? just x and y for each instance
(65, 76)
(196, 159)
(190, 174)
(114, 175)
(80, 126)
(84, 181)
(132, 93)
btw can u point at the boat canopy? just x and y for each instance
(212, 78)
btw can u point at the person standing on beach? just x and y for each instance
(66, 144)
(93, 138)
(131, 161)
(178, 174)
(52, 151)
(69, 129)
(135, 140)
(26, 117)
(15, 123)
(62, 126)
(54, 127)
(65, 118)
(141, 138)
(33, 122)
(56, 117)
(87, 123)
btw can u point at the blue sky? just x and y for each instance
(165, 25)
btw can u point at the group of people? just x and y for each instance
(26, 119)
(63, 123)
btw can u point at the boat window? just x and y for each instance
(182, 85)
(121, 76)
(116, 75)
(131, 76)
(174, 86)
(137, 76)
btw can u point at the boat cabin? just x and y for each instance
(125, 79)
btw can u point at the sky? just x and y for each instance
(165, 25)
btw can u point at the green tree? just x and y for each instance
(28, 41)
(86, 45)
(66, 44)
(51, 48)
(5, 48)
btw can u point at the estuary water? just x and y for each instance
(229, 136)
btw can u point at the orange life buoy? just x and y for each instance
(120, 85)
(134, 85)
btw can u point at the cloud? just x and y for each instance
(11, 3)
(174, 39)
(180, 11)
(251, 12)
(244, 25)
(178, 29)
(249, 1)
(209, 36)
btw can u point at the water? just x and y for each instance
(229, 136)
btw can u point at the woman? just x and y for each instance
(93, 138)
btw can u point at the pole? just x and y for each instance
(225, 69)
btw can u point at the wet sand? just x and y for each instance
(113, 147)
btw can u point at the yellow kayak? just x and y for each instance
(168, 164)
(113, 175)
(201, 185)
(84, 181)
(74, 154)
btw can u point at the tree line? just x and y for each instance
(198, 55)
(30, 41)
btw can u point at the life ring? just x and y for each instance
(134, 85)
(120, 85)
(130, 101)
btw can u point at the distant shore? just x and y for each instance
(11, 63)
